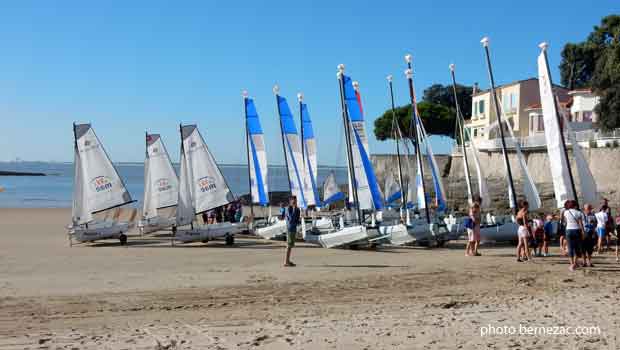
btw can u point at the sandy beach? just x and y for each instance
(150, 295)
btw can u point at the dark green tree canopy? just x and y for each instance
(437, 110)
(595, 63)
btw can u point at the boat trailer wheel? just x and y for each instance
(230, 239)
(123, 239)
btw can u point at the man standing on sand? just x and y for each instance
(293, 218)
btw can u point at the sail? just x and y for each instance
(587, 185)
(529, 188)
(391, 189)
(161, 186)
(460, 133)
(309, 155)
(483, 188)
(257, 157)
(555, 146)
(331, 191)
(368, 192)
(79, 211)
(208, 188)
(101, 186)
(440, 197)
(185, 208)
(294, 160)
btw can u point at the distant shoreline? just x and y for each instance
(19, 173)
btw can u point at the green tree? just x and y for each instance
(437, 111)
(437, 120)
(595, 63)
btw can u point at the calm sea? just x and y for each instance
(55, 189)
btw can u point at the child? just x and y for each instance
(547, 234)
(601, 228)
(589, 228)
(468, 222)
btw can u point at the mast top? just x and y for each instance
(300, 96)
(452, 66)
(543, 46)
(389, 78)
(408, 58)
(276, 89)
(356, 85)
(245, 93)
(409, 73)
(485, 41)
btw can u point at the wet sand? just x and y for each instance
(151, 295)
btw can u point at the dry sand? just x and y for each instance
(150, 295)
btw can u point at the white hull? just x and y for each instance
(506, 232)
(274, 230)
(340, 238)
(155, 224)
(208, 232)
(99, 231)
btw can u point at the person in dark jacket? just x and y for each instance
(293, 218)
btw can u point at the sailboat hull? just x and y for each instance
(274, 230)
(99, 231)
(209, 232)
(155, 224)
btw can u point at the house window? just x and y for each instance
(514, 101)
(541, 123)
(475, 132)
(481, 107)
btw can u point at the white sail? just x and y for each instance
(257, 157)
(331, 191)
(300, 188)
(208, 188)
(161, 186)
(185, 208)
(101, 186)
(483, 188)
(555, 146)
(310, 157)
(587, 185)
(79, 211)
(440, 194)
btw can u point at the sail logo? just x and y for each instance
(163, 185)
(102, 183)
(207, 184)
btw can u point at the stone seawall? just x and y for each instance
(604, 164)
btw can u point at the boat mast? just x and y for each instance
(511, 185)
(300, 98)
(276, 91)
(461, 130)
(247, 150)
(398, 137)
(347, 135)
(414, 113)
(543, 46)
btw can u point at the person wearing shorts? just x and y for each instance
(293, 218)
(574, 230)
(601, 228)
(548, 234)
(523, 232)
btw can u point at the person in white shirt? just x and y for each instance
(601, 231)
(574, 231)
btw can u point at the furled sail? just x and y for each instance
(558, 162)
(391, 189)
(440, 197)
(331, 191)
(587, 185)
(98, 186)
(257, 157)
(294, 159)
(161, 186)
(483, 188)
(201, 178)
(309, 155)
(368, 192)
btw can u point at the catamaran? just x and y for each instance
(202, 187)
(97, 189)
(561, 171)
(161, 187)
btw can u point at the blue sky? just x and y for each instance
(131, 66)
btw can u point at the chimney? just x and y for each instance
(475, 91)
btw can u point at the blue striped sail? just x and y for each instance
(391, 189)
(310, 156)
(368, 192)
(437, 183)
(331, 191)
(292, 152)
(257, 157)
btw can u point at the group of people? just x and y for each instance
(581, 234)
(228, 213)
